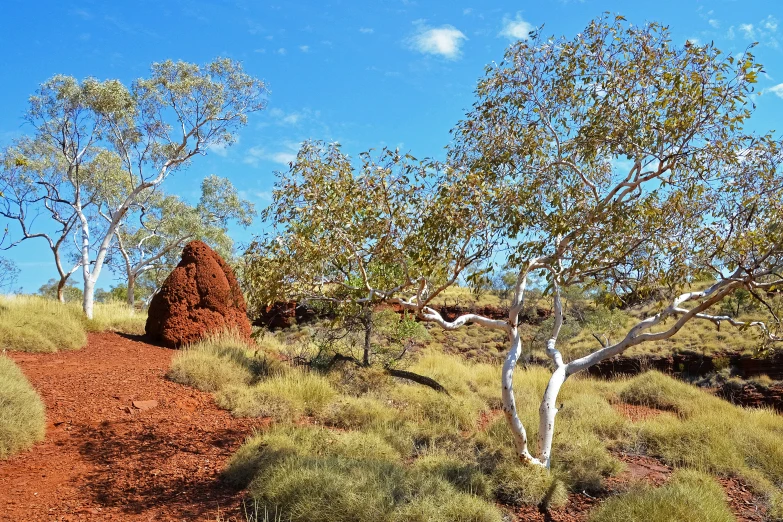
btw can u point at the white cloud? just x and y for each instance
(516, 29)
(304, 48)
(694, 41)
(467, 11)
(747, 30)
(366, 30)
(281, 51)
(714, 23)
(730, 33)
(288, 118)
(770, 23)
(444, 41)
(777, 90)
(221, 149)
(283, 155)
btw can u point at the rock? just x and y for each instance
(200, 296)
(144, 405)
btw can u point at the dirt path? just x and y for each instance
(104, 458)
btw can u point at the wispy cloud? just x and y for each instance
(366, 30)
(221, 149)
(304, 48)
(714, 23)
(283, 155)
(281, 51)
(765, 31)
(515, 29)
(284, 118)
(445, 41)
(777, 90)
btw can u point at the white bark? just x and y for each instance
(509, 402)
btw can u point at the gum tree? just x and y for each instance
(105, 146)
(615, 160)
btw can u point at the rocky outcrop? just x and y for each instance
(200, 296)
(286, 314)
(753, 394)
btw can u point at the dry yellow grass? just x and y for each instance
(22, 415)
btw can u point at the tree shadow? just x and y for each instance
(145, 467)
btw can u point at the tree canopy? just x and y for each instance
(614, 160)
(98, 148)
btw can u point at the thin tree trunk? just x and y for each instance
(61, 289)
(131, 290)
(367, 336)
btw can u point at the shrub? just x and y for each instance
(689, 495)
(22, 414)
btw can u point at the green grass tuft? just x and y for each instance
(22, 414)
(30, 323)
(37, 324)
(689, 495)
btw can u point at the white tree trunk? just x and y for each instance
(546, 415)
(509, 402)
(89, 284)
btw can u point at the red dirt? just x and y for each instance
(636, 412)
(200, 296)
(103, 458)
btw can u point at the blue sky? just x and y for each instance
(366, 74)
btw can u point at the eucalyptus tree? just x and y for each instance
(29, 188)
(111, 145)
(157, 230)
(615, 160)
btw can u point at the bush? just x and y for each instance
(22, 414)
(689, 495)
(335, 489)
(114, 316)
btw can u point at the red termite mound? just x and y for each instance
(199, 297)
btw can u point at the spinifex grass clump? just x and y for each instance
(22, 415)
(396, 449)
(710, 434)
(31, 323)
(689, 495)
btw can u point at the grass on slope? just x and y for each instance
(22, 416)
(37, 324)
(395, 450)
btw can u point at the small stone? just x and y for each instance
(144, 405)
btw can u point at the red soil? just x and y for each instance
(103, 458)
(637, 412)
